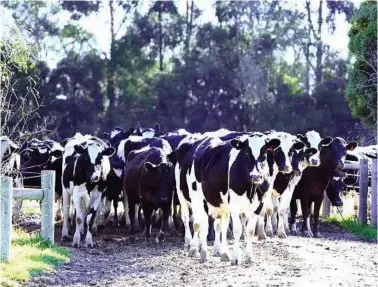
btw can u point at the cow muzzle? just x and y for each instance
(339, 165)
(337, 203)
(256, 178)
(297, 173)
(314, 162)
(95, 178)
(285, 169)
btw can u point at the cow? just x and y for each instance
(219, 173)
(9, 157)
(148, 132)
(284, 184)
(42, 155)
(310, 188)
(149, 181)
(85, 169)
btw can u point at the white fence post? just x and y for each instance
(364, 185)
(5, 216)
(374, 203)
(47, 217)
(326, 210)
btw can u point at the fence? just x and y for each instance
(363, 179)
(46, 194)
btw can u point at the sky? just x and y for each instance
(99, 25)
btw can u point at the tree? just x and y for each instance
(362, 86)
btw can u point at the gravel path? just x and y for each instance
(337, 259)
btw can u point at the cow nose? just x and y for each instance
(314, 162)
(340, 165)
(95, 178)
(297, 173)
(256, 178)
(286, 168)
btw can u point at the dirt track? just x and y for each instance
(337, 259)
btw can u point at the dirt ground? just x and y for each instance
(337, 259)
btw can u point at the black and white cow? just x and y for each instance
(85, 169)
(9, 157)
(149, 180)
(148, 132)
(221, 173)
(42, 155)
(310, 189)
(302, 155)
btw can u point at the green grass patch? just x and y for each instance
(351, 224)
(30, 255)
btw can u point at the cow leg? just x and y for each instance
(306, 229)
(131, 210)
(126, 212)
(237, 231)
(225, 220)
(211, 233)
(260, 225)
(275, 202)
(58, 213)
(105, 211)
(293, 215)
(204, 253)
(250, 232)
(66, 209)
(197, 220)
(164, 224)
(185, 219)
(115, 206)
(317, 205)
(217, 241)
(77, 195)
(147, 211)
(94, 203)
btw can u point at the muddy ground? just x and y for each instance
(118, 259)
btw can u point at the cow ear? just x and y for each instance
(238, 144)
(138, 130)
(157, 129)
(57, 153)
(298, 145)
(172, 157)
(351, 146)
(106, 135)
(326, 141)
(149, 166)
(311, 151)
(80, 149)
(303, 139)
(272, 145)
(108, 151)
(129, 132)
(64, 142)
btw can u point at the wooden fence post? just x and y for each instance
(326, 211)
(374, 203)
(47, 217)
(5, 216)
(364, 184)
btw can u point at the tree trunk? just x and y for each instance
(189, 27)
(160, 41)
(110, 70)
(319, 46)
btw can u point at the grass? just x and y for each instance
(351, 224)
(30, 255)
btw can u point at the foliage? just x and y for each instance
(362, 87)
(170, 67)
(366, 231)
(29, 256)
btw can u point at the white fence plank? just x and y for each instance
(28, 193)
(5, 216)
(364, 178)
(374, 203)
(47, 219)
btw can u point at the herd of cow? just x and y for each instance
(249, 179)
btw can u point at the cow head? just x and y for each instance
(334, 150)
(116, 135)
(93, 160)
(335, 188)
(164, 178)
(311, 139)
(287, 156)
(37, 156)
(148, 132)
(253, 155)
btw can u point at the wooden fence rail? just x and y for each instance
(7, 193)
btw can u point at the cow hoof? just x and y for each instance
(307, 233)
(261, 236)
(269, 233)
(160, 238)
(282, 234)
(192, 252)
(76, 245)
(225, 257)
(203, 256)
(66, 238)
(317, 234)
(235, 261)
(248, 257)
(217, 251)
(294, 232)
(187, 244)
